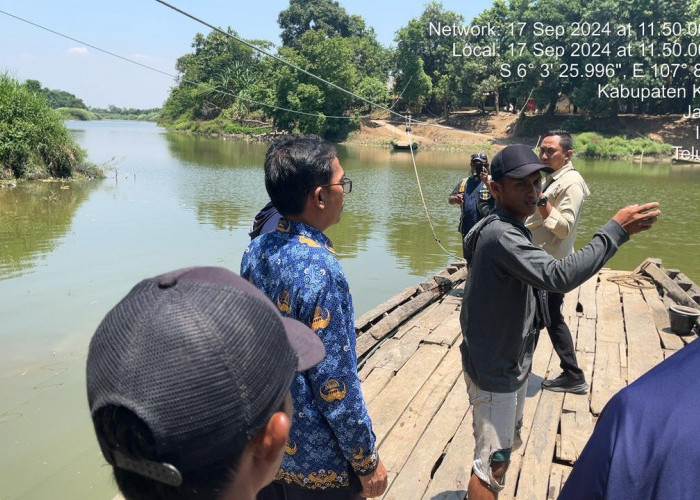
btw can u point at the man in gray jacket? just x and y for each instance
(498, 315)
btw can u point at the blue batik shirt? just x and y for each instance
(331, 434)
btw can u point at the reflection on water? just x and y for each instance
(184, 200)
(33, 219)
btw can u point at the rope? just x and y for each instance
(420, 190)
(632, 280)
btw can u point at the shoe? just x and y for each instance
(563, 384)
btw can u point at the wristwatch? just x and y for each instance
(542, 201)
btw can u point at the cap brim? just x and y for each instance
(527, 169)
(307, 345)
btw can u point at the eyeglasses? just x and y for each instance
(346, 182)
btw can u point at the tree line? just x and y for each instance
(222, 79)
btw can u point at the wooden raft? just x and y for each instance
(413, 385)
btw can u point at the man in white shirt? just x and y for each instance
(553, 228)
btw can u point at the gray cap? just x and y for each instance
(203, 358)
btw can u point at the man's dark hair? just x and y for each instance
(120, 429)
(565, 140)
(293, 166)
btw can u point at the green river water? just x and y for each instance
(68, 255)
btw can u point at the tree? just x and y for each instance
(325, 16)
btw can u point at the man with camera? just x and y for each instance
(472, 194)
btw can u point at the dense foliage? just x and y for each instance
(430, 72)
(55, 98)
(34, 142)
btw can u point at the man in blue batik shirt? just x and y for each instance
(331, 452)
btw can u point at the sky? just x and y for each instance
(154, 35)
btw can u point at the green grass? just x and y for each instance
(593, 145)
(76, 114)
(34, 142)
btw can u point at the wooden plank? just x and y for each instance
(661, 320)
(585, 340)
(576, 421)
(375, 383)
(540, 362)
(400, 441)
(437, 315)
(447, 332)
(587, 297)
(417, 321)
(394, 353)
(643, 343)
(557, 477)
(675, 292)
(414, 477)
(537, 460)
(606, 377)
(386, 408)
(378, 312)
(450, 480)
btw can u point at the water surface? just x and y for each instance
(173, 200)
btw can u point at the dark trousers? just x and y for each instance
(282, 491)
(560, 335)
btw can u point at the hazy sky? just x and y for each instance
(152, 34)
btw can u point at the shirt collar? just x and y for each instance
(300, 228)
(555, 175)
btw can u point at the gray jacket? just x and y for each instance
(498, 308)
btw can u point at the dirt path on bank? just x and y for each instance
(469, 130)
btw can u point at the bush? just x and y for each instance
(592, 145)
(34, 142)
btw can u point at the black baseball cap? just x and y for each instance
(479, 158)
(203, 358)
(517, 161)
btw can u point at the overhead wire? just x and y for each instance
(205, 85)
(238, 97)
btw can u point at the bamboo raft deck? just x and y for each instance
(412, 379)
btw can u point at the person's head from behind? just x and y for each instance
(556, 149)
(516, 181)
(188, 383)
(477, 163)
(305, 180)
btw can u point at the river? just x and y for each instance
(174, 200)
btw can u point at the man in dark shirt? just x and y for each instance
(472, 195)
(499, 305)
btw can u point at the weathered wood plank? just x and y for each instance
(585, 340)
(587, 297)
(414, 477)
(661, 320)
(375, 383)
(534, 472)
(557, 477)
(675, 292)
(540, 362)
(394, 353)
(400, 441)
(386, 408)
(447, 332)
(643, 343)
(576, 420)
(607, 377)
(451, 479)
(378, 312)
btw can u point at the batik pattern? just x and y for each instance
(331, 435)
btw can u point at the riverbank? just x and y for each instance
(467, 131)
